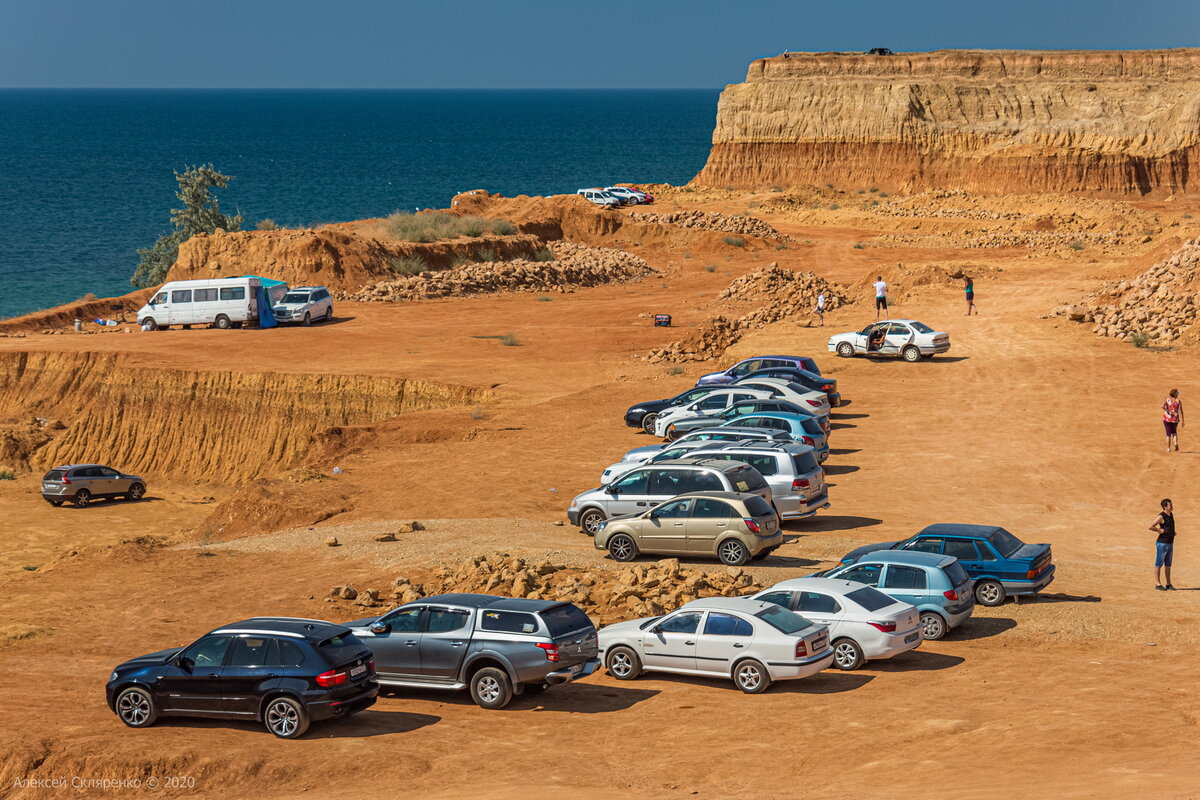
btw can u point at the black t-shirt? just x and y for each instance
(1167, 523)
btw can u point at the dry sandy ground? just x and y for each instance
(1029, 423)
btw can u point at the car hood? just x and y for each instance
(622, 628)
(843, 337)
(713, 377)
(642, 453)
(859, 552)
(290, 306)
(151, 659)
(651, 406)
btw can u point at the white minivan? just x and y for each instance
(600, 197)
(220, 302)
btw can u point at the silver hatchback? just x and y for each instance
(83, 483)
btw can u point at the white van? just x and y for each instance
(599, 197)
(221, 302)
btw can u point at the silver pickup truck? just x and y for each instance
(495, 646)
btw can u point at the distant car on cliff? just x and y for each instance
(632, 196)
(906, 338)
(600, 197)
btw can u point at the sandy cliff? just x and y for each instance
(1116, 123)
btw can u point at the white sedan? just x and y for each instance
(864, 623)
(748, 641)
(906, 338)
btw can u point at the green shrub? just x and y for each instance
(267, 225)
(775, 188)
(543, 254)
(407, 265)
(873, 190)
(485, 254)
(1187, 216)
(510, 340)
(781, 246)
(859, 245)
(861, 191)
(676, 370)
(545, 298)
(734, 241)
(1139, 339)
(459, 261)
(434, 226)
(7, 475)
(829, 186)
(883, 194)
(687, 253)
(710, 267)
(477, 413)
(834, 206)
(1075, 244)
(29, 568)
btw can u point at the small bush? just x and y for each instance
(754, 204)
(883, 194)
(267, 225)
(433, 226)
(873, 190)
(676, 370)
(7, 475)
(781, 246)
(543, 254)
(485, 254)
(510, 340)
(687, 189)
(29, 568)
(407, 265)
(459, 261)
(861, 191)
(1187, 216)
(477, 413)
(734, 241)
(687, 253)
(545, 298)
(829, 186)
(775, 188)
(729, 188)
(1139, 339)
(859, 245)
(1075, 244)
(834, 206)
(710, 267)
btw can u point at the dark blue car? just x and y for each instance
(1001, 564)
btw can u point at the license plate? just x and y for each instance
(578, 668)
(359, 670)
(46, 487)
(912, 637)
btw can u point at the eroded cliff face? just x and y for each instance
(1116, 123)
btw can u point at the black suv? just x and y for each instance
(283, 671)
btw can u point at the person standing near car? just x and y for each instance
(1172, 409)
(1164, 546)
(820, 310)
(969, 287)
(880, 297)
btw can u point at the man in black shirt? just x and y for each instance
(1164, 526)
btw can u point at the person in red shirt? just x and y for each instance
(1172, 409)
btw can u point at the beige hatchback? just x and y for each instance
(731, 526)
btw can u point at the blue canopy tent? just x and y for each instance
(269, 291)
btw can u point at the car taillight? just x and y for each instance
(801, 649)
(801, 483)
(827, 387)
(808, 440)
(885, 627)
(331, 678)
(550, 648)
(814, 403)
(1032, 573)
(752, 525)
(951, 595)
(371, 665)
(66, 480)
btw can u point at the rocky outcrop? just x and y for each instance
(1114, 122)
(712, 221)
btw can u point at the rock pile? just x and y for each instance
(711, 221)
(573, 266)
(607, 595)
(1159, 304)
(783, 293)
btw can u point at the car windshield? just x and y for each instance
(804, 462)
(870, 599)
(783, 620)
(565, 619)
(759, 507)
(54, 475)
(295, 297)
(955, 573)
(1005, 543)
(341, 648)
(921, 327)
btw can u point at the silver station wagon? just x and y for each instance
(83, 483)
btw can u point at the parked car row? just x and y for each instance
(234, 302)
(612, 196)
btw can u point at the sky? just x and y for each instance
(516, 44)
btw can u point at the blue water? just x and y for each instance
(85, 176)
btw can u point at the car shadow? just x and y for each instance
(841, 469)
(844, 451)
(827, 681)
(289, 325)
(101, 502)
(981, 628)
(916, 660)
(584, 698)
(834, 426)
(1059, 597)
(836, 415)
(356, 726)
(784, 561)
(837, 522)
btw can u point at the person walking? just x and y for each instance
(820, 310)
(969, 287)
(880, 297)
(1172, 409)
(1164, 546)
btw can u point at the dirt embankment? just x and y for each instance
(1120, 123)
(64, 316)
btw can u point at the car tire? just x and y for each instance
(648, 423)
(911, 354)
(933, 626)
(733, 553)
(990, 593)
(847, 655)
(55, 503)
(845, 350)
(590, 520)
(307, 321)
(491, 688)
(285, 718)
(751, 676)
(222, 322)
(622, 663)
(136, 492)
(622, 547)
(136, 708)
(82, 498)
(151, 323)
(328, 315)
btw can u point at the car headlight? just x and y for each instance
(112, 677)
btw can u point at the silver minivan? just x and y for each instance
(83, 483)
(644, 487)
(791, 470)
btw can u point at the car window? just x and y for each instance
(746, 479)
(870, 599)
(565, 619)
(290, 655)
(342, 647)
(817, 603)
(726, 625)
(108, 472)
(442, 620)
(54, 475)
(783, 620)
(1005, 543)
(926, 544)
(708, 508)
(765, 463)
(955, 572)
(904, 577)
(712, 403)
(674, 452)
(960, 548)
(706, 481)
(208, 652)
(862, 573)
(234, 293)
(161, 297)
(295, 297)
(668, 482)
(406, 619)
(508, 622)
(921, 327)
(804, 463)
(985, 552)
(740, 410)
(759, 507)
(252, 651)
(676, 509)
(181, 296)
(205, 295)
(779, 598)
(745, 367)
(896, 329)
(633, 483)
(679, 623)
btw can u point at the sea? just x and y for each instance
(86, 176)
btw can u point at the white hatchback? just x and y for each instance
(750, 642)
(906, 338)
(714, 402)
(864, 623)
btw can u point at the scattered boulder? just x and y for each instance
(385, 537)
(711, 221)
(332, 541)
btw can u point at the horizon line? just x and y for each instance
(365, 88)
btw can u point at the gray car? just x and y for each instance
(494, 646)
(83, 483)
(797, 481)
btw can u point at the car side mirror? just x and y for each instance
(611, 490)
(380, 628)
(185, 664)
